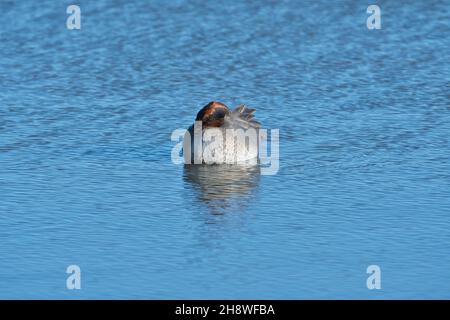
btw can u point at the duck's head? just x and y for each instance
(213, 114)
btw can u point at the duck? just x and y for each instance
(220, 135)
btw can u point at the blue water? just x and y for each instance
(86, 176)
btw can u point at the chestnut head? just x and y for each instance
(213, 114)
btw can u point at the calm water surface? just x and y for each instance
(85, 170)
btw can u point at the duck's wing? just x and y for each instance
(241, 117)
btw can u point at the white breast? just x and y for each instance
(229, 146)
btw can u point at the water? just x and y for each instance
(85, 171)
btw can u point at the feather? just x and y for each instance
(242, 117)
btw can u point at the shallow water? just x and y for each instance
(86, 176)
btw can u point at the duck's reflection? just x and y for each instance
(222, 187)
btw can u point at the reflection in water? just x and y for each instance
(222, 187)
